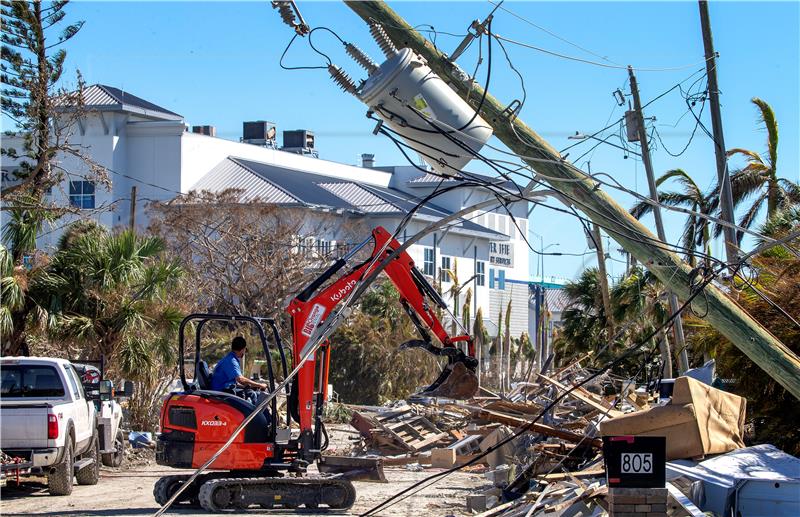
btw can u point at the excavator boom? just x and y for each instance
(310, 308)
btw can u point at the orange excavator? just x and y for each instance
(266, 464)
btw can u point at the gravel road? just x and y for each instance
(130, 492)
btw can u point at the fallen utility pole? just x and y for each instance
(729, 319)
(641, 131)
(723, 176)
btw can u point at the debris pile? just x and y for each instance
(541, 458)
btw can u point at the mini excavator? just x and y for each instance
(266, 464)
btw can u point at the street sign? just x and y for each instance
(635, 461)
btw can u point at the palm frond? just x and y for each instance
(751, 156)
(767, 117)
(749, 217)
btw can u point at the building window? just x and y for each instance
(443, 276)
(428, 267)
(81, 194)
(501, 279)
(480, 273)
(491, 278)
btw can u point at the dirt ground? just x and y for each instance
(125, 492)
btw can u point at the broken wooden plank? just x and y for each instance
(586, 397)
(558, 476)
(495, 416)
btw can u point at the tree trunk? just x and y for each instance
(772, 196)
(666, 354)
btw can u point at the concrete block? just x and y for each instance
(627, 499)
(642, 508)
(622, 508)
(443, 458)
(477, 503)
(658, 508)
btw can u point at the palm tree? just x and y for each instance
(108, 294)
(585, 326)
(19, 241)
(639, 297)
(697, 231)
(759, 177)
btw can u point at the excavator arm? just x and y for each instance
(313, 305)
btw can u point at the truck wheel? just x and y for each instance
(114, 459)
(90, 474)
(59, 479)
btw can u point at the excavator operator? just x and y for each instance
(228, 374)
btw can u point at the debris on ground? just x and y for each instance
(138, 457)
(555, 465)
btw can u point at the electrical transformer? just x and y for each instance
(418, 105)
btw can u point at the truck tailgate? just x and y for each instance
(23, 426)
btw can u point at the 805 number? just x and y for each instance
(637, 463)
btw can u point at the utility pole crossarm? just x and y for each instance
(740, 328)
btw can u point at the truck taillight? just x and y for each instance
(52, 427)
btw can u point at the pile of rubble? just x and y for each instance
(554, 464)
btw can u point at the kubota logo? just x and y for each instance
(338, 295)
(214, 422)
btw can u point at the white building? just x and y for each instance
(148, 147)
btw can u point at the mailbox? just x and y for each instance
(635, 461)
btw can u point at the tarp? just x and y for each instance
(699, 420)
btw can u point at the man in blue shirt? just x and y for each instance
(228, 371)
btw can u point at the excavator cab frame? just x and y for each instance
(202, 319)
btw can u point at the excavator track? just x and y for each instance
(168, 485)
(217, 495)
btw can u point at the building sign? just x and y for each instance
(501, 254)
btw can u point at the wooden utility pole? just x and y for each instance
(680, 341)
(132, 216)
(775, 358)
(603, 279)
(723, 177)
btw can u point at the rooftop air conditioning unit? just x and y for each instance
(259, 132)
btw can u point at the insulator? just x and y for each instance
(342, 79)
(361, 58)
(286, 12)
(382, 39)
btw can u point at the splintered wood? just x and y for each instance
(540, 440)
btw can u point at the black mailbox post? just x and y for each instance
(635, 461)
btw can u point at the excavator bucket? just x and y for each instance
(352, 468)
(455, 382)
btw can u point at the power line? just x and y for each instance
(596, 63)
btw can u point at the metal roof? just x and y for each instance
(103, 97)
(231, 175)
(430, 178)
(556, 299)
(359, 197)
(275, 184)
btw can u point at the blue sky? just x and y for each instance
(217, 63)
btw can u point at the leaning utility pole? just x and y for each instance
(603, 279)
(738, 326)
(723, 177)
(641, 131)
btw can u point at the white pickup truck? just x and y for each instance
(47, 419)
